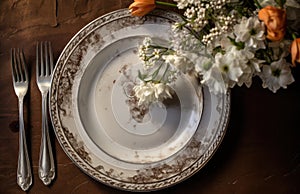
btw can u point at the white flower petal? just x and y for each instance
(276, 75)
(150, 92)
(251, 32)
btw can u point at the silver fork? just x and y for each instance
(20, 82)
(44, 69)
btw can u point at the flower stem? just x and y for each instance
(294, 36)
(155, 73)
(158, 47)
(165, 3)
(257, 4)
(166, 70)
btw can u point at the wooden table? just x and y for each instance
(260, 152)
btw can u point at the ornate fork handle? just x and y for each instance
(24, 177)
(46, 162)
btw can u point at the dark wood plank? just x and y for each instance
(260, 152)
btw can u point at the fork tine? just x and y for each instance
(12, 62)
(46, 58)
(16, 67)
(42, 60)
(51, 58)
(37, 60)
(24, 65)
(20, 65)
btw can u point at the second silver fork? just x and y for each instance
(44, 69)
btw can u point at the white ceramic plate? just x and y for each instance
(99, 124)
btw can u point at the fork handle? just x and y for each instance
(24, 177)
(46, 162)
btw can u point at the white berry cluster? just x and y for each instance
(196, 16)
(218, 4)
(149, 54)
(224, 24)
(208, 16)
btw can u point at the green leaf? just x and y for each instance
(141, 76)
(239, 45)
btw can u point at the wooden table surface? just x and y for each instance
(260, 152)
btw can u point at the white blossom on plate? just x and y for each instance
(147, 41)
(252, 32)
(203, 64)
(180, 62)
(276, 75)
(213, 79)
(148, 92)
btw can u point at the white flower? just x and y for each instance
(190, 12)
(229, 65)
(180, 62)
(213, 73)
(256, 64)
(225, 42)
(251, 69)
(250, 66)
(276, 75)
(203, 64)
(251, 32)
(142, 53)
(172, 76)
(156, 54)
(150, 92)
(213, 79)
(147, 41)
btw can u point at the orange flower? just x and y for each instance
(295, 51)
(275, 20)
(141, 7)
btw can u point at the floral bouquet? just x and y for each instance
(224, 43)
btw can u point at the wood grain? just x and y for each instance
(260, 152)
